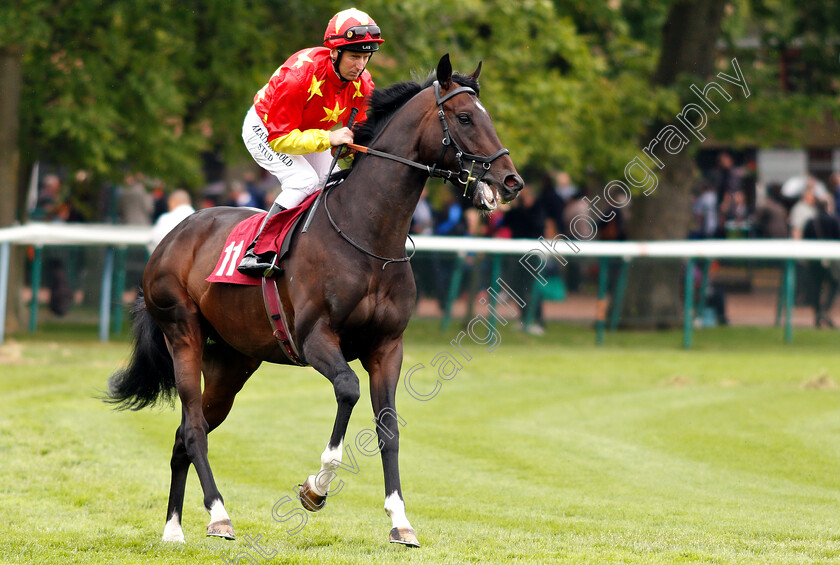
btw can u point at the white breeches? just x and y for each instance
(299, 175)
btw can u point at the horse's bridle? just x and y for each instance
(464, 176)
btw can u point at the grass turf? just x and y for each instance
(546, 450)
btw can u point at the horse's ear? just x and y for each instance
(444, 71)
(477, 72)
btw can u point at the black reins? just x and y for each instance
(349, 240)
(464, 176)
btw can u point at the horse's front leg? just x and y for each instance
(323, 352)
(383, 365)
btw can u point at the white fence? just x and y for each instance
(538, 251)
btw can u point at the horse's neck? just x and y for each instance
(380, 197)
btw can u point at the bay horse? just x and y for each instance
(344, 301)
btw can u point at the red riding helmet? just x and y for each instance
(353, 30)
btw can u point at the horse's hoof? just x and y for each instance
(221, 529)
(404, 536)
(310, 499)
(176, 537)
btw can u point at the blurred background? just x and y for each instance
(107, 107)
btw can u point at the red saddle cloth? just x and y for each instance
(278, 227)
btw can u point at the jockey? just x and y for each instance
(292, 125)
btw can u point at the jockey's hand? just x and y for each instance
(341, 136)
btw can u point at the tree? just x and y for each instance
(108, 87)
(11, 81)
(688, 47)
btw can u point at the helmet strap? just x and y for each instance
(336, 63)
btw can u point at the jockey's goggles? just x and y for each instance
(358, 33)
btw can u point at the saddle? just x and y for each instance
(273, 238)
(277, 236)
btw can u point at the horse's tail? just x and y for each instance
(150, 375)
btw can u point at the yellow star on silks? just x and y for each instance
(315, 88)
(302, 58)
(358, 93)
(334, 114)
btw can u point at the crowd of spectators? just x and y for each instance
(724, 205)
(544, 210)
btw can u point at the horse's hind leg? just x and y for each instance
(181, 323)
(225, 372)
(324, 354)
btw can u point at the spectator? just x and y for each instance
(805, 209)
(822, 226)
(49, 197)
(526, 219)
(577, 206)
(771, 216)
(424, 265)
(449, 220)
(612, 229)
(451, 217)
(834, 192)
(714, 301)
(734, 212)
(726, 177)
(135, 203)
(159, 196)
(704, 209)
(52, 208)
(495, 222)
(422, 222)
(180, 206)
(256, 192)
(555, 193)
(240, 196)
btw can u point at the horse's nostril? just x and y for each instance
(513, 182)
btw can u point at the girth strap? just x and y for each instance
(277, 317)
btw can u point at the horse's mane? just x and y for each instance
(383, 103)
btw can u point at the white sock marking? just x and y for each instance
(172, 531)
(330, 459)
(395, 508)
(218, 512)
(330, 455)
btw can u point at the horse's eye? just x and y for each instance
(464, 118)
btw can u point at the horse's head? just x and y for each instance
(471, 147)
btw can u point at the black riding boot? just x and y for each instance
(260, 265)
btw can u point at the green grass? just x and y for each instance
(548, 450)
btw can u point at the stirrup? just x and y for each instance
(254, 265)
